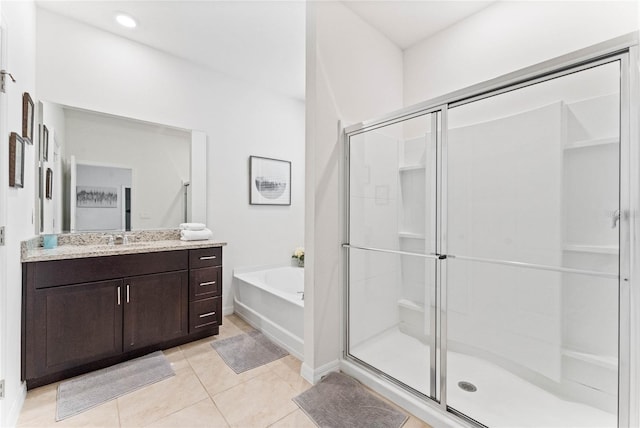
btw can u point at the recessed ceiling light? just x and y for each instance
(126, 20)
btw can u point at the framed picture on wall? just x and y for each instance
(16, 160)
(96, 197)
(45, 143)
(49, 185)
(269, 181)
(27, 118)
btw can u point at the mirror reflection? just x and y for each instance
(112, 173)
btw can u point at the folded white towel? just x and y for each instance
(193, 226)
(195, 235)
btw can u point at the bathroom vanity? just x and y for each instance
(90, 306)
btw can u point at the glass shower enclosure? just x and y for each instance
(486, 246)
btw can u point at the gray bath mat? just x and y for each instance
(340, 401)
(248, 351)
(95, 388)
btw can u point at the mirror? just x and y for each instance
(100, 172)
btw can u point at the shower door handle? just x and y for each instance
(615, 219)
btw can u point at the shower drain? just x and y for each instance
(467, 386)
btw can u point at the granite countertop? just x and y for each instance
(76, 246)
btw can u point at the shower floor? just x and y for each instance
(501, 400)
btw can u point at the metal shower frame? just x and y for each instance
(624, 49)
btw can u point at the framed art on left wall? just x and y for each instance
(27, 118)
(16, 160)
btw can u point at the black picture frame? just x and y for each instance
(45, 143)
(16, 160)
(27, 118)
(269, 181)
(49, 184)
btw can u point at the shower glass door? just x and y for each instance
(532, 212)
(391, 310)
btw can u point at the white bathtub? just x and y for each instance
(271, 300)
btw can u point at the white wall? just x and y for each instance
(158, 156)
(84, 67)
(508, 36)
(353, 73)
(18, 21)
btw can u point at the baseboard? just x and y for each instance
(227, 310)
(14, 413)
(313, 376)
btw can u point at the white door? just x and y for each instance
(4, 164)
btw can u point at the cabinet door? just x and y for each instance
(77, 324)
(156, 309)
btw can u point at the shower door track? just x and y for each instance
(623, 49)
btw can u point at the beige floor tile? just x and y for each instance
(202, 414)
(198, 347)
(105, 415)
(256, 398)
(177, 359)
(229, 329)
(39, 407)
(258, 402)
(214, 373)
(288, 369)
(414, 422)
(161, 399)
(40, 411)
(295, 419)
(239, 323)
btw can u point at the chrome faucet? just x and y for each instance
(120, 239)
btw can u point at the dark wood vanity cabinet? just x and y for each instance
(205, 289)
(76, 324)
(83, 314)
(155, 309)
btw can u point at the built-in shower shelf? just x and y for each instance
(411, 305)
(607, 362)
(408, 168)
(591, 142)
(411, 235)
(593, 249)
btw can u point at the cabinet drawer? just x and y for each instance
(74, 271)
(205, 313)
(205, 257)
(205, 282)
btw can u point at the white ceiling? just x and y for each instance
(262, 42)
(407, 22)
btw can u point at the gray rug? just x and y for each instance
(248, 351)
(340, 401)
(90, 390)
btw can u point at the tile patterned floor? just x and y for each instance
(203, 393)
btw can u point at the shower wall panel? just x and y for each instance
(374, 199)
(504, 203)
